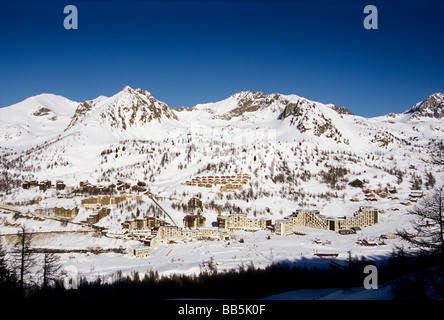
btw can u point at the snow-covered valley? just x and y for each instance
(298, 154)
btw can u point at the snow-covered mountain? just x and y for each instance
(35, 120)
(289, 115)
(127, 109)
(432, 107)
(136, 114)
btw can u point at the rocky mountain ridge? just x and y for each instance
(432, 107)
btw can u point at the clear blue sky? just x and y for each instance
(190, 52)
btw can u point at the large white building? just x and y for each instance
(240, 221)
(364, 217)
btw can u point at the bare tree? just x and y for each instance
(7, 281)
(51, 267)
(437, 154)
(24, 255)
(5, 181)
(428, 229)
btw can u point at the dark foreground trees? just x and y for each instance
(410, 277)
(253, 283)
(24, 269)
(427, 239)
(243, 283)
(8, 288)
(428, 227)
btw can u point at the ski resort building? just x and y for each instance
(212, 233)
(44, 185)
(366, 216)
(195, 203)
(231, 187)
(174, 233)
(92, 202)
(97, 216)
(417, 194)
(140, 251)
(69, 213)
(60, 185)
(240, 221)
(166, 233)
(146, 223)
(193, 221)
(171, 233)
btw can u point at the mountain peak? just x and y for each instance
(242, 103)
(127, 88)
(130, 90)
(432, 107)
(127, 108)
(248, 94)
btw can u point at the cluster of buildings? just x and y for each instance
(87, 187)
(6, 223)
(227, 183)
(374, 194)
(69, 209)
(43, 185)
(194, 226)
(121, 186)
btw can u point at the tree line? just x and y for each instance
(411, 277)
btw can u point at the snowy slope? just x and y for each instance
(35, 120)
(265, 134)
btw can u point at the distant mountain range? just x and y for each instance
(136, 114)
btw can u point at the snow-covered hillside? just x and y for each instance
(35, 120)
(291, 146)
(58, 138)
